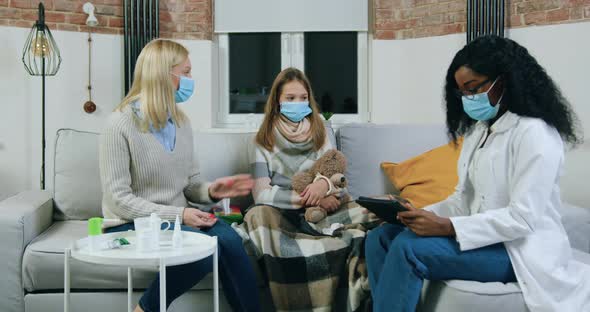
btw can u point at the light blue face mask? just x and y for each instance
(295, 111)
(479, 107)
(186, 87)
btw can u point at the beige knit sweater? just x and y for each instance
(140, 177)
(273, 170)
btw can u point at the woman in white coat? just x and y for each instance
(502, 224)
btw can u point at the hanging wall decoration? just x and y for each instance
(91, 21)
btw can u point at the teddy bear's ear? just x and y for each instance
(331, 154)
(340, 159)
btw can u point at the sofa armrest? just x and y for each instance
(22, 218)
(576, 221)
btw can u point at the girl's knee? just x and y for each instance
(258, 212)
(261, 216)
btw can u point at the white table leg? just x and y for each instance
(215, 279)
(129, 289)
(162, 285)
(67, 280)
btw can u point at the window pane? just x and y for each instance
(254, 61)
(331, 65)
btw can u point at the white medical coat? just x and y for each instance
(518, 174)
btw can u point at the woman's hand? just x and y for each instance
(425, 223)
(313, 193)
(197, 218)
(330, 203)
(227, 187)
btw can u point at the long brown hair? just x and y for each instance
(265, 136)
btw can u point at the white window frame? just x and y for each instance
(292, 55)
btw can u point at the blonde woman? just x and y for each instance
(307, 271)
(146, 166)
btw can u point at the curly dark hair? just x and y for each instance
(529, 91)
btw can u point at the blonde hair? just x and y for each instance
(152, 84)
(265, 136)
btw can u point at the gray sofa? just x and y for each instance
(36, 226)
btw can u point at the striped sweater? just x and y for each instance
(139, 176)
(273, 171)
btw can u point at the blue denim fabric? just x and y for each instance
(398, 261)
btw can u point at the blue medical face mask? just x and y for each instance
(295, 111)
(479, 107)
(186, 87)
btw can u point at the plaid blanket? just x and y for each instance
(307, 270)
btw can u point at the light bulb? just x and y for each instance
(40, 45)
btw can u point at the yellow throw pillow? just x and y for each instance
(427, 178)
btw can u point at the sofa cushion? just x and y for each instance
(77, 189)
(495, 288)
(76, 178)
(457, 295)
(576, 221)
(220, 154)
(43, 264)
(572, 186)
(452, 296)
(581, 256)
(427, 178)
(367, 145)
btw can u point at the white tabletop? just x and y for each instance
(195, 247)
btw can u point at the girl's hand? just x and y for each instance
(197, 218)
(227, 187)
(313, 193)
(425, 223)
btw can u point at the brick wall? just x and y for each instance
(182, 19)
(63, 14)
(394, 19)
(186, 19)
(404, 19)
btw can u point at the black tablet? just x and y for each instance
(386, 209)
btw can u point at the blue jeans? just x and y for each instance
(235, 271)
(398, 261)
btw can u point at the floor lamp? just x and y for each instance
(41, 58)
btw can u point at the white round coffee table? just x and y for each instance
(195, 247)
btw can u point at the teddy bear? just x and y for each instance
(331, 165)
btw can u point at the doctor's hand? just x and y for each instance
(426, 223)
